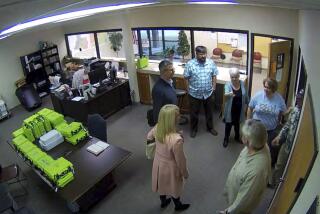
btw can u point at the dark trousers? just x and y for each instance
(274, 150)
(195, 105)
(228, 130)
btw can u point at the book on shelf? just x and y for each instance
(97, 147)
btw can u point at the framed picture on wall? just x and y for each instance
(280, 60)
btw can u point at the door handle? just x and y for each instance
(299, 185)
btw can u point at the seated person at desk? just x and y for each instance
(80, 77)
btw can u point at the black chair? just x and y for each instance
(180, 95)
(28, 97)
(24, 210)
(97, 126)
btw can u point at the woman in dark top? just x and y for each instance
(236, 101)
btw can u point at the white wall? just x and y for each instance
(13, 47)
(309, 39)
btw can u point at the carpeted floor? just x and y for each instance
(208, 163)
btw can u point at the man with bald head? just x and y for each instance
(163, 91)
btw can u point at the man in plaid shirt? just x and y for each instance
(200, 74)
(285, 139)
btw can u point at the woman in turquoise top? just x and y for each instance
(235, 105)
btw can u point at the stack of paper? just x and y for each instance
(97, 147)
(77, 98)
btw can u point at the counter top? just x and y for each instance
(222, 77)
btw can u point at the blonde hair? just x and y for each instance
(256, 133)
(166, 122)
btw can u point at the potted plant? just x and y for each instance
(115, 39)
(183, 45)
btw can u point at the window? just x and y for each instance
(135, 42)
(227, 42)
(108, 49)
(82, 45)
(155, 43)
(171, 41)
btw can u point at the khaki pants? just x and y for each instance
(279, 166)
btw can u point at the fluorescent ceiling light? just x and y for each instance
(212, 2)
(67, 16)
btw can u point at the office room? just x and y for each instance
(208, 161)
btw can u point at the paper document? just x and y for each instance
(77, 98)
(102, 144)
(97, 147)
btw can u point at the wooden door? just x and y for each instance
(144, 88)
(279, 59)
(300, 163)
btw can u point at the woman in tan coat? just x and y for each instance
(169, 165)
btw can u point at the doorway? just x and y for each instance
(271, 56)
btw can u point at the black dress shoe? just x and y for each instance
(166, 203)
(182, 207)
(271, 186)
(237, 139)
(225, 143)
(193, 133)
(213, 132)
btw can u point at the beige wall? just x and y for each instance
(13, 47)
(261, 44)
(310, 46)
(255, 19)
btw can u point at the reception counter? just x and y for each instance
(149, 75)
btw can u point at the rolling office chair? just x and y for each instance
(11, 175)
(28, 97)
(237, 56)
(216, 54)
(180, 95)
(257, 60)
(97, 126)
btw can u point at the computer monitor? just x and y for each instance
(97, 65)
(97, 75)
(113, 74)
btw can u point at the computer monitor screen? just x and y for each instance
(97, 75)
(113, 74)
(96, 65)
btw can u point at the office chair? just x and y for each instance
(216, 54)
(257, 59)
(97, 126)
(11, 175)
(28, 97)
(237, 56)
(180, 95)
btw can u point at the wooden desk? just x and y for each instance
(93, 175)
(93, 178)
(106, 103)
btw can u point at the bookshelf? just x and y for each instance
(51, 60)
(39, 65)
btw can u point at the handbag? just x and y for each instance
(150, 148)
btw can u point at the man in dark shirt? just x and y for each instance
(163, 91)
